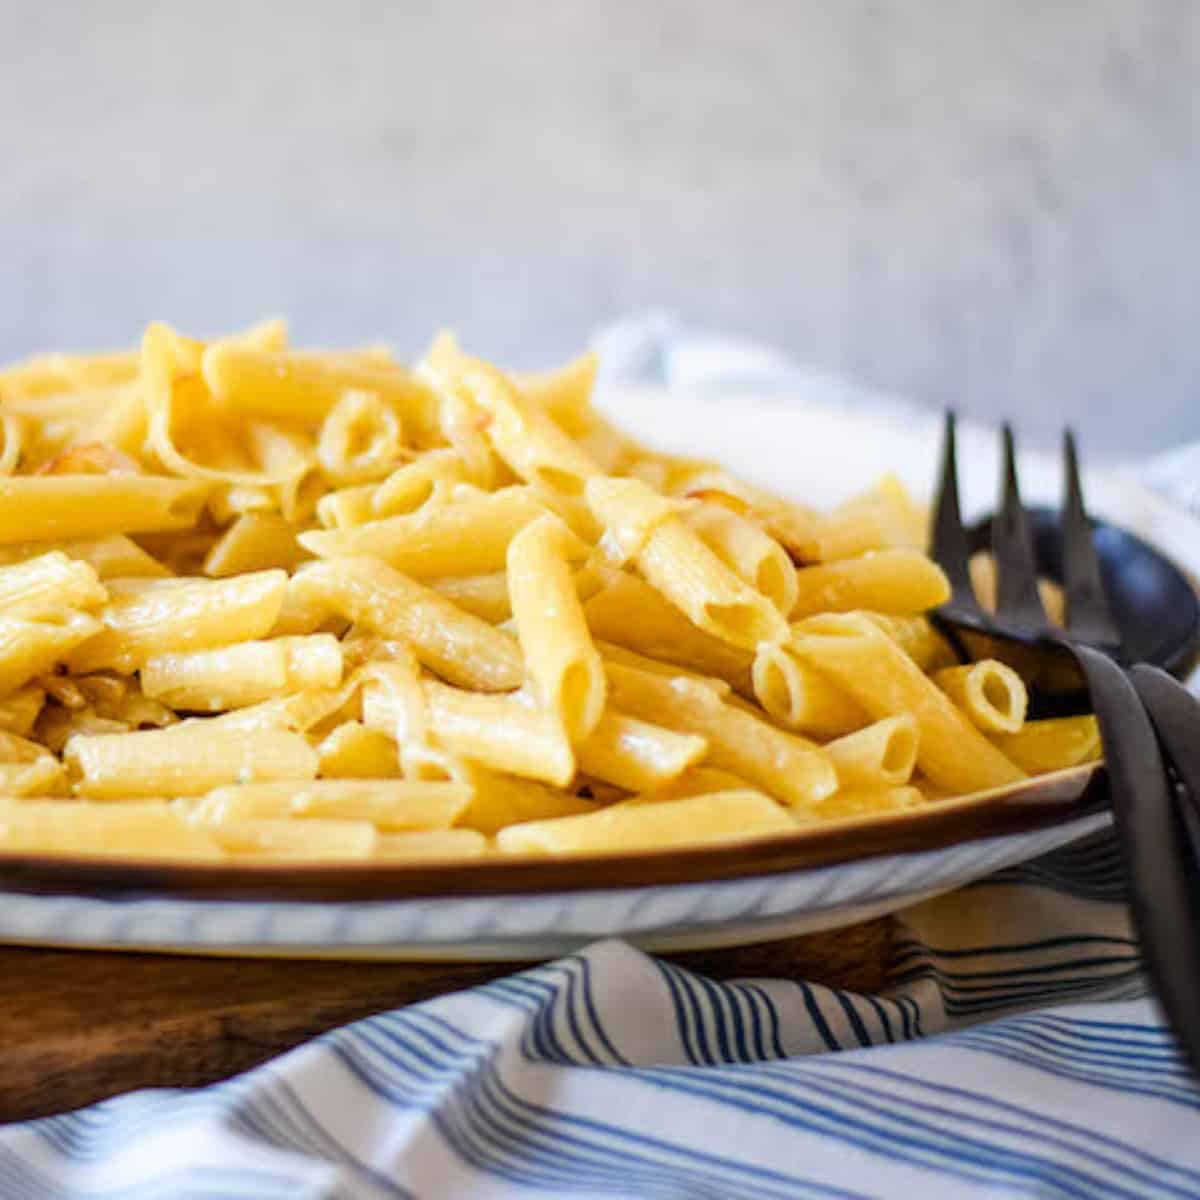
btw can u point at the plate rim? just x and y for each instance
(1044, 801)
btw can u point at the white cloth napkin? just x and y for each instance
(1014, 1051)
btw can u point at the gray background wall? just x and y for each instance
(993, 204)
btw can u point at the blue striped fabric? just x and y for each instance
(1014, 1052)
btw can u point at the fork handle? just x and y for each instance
(1158, 852)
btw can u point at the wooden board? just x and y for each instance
(79, 1026)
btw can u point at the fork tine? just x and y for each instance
(1017, 596)
(950, 549)
(1088, 615)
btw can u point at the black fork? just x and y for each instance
(1149, 724)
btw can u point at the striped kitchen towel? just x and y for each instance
(1015, 1051)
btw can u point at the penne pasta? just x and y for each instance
(486, 596)
(427, 845)
(359, 439)
(630, 613)
(636, 755)
(1054, 744)
(29, 649)
(146, 618)
(883, 755)
(253, 542)
(141, 829)
(499, 799)
(113, 557)
(468, 536)
(696, 820)
(564, 666)
(284, 385)
(869, 802)
(20, 710)
(244, 674)
(507, 733)
(521, 432)
(801, 698)
(564, 394)
(388, 804)
(886, 682)
(917, 638)
(461, 648)
(64, 507)
(49, 585)
(886, 581)
(186, 760)
(679, 565)
(748, 551)
(353, 751)
(792, 770)
(992, 695)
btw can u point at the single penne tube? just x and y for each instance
(696, 820)
(636, 755)
(467, 536)
(564, 666)
(695, 781)
(19, 710)
(177, 616)
(876, 672)
(460, 647)
(65, 507)
(46, 374)
(507, 733)
(112, 557)
(868, 802)
(677, 563)
(564, 393)
(785, 766)
(304, 841)
(346, 507)
(359, 439)
(354, 751)
(795, 527)
(248, 673)
(885, 581)
(883, 755)
(991, 694)
(499, 799)
(884, 518)
(484, 595)
(185, 760)
(748, 550)
(284, 385)
(409, 487)
(136, 829)
(429, 845)
(522, 433)
(1053, 744)
(254, 542)
(630, 613)
(49, 585)
(393, 701)
(29, 649)
(119, 699)
(801, 698)
(388, 804)
(610, 652)
(41, 777)
(297, 713)
(918, 639)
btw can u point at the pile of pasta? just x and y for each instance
(259, 602)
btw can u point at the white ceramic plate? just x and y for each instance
(759, 891)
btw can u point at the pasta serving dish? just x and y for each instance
(307, 625)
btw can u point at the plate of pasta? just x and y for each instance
(315, 652)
